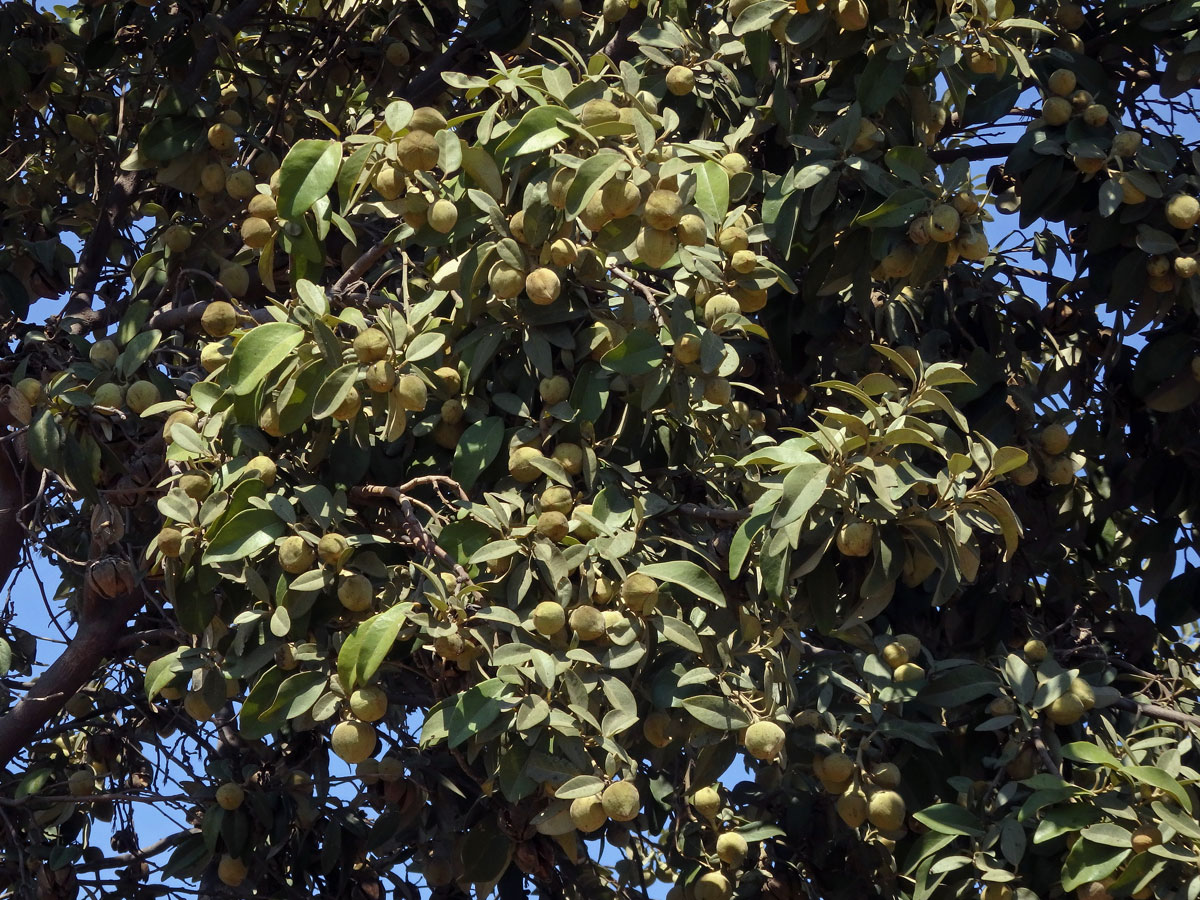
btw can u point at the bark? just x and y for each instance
(12, 498)
(93, 643)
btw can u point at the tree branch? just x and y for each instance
(1157, 712)
(12, 499)
(93, 642)
(91, 260)
(360, 267)
(125, 186)
(717, 515)
(973, 152)
(124, 859)
(373, 493)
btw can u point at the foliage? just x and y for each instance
(499, 420)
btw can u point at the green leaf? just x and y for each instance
(1063, 819)
(1006, 459)
(623, 713)
(45, 440)
(494, 550)
(424, 346)
(334, 390)
(137, 351)
(1183, 824)
(478, 163)
(743, 540)
(244, 535)
(758, 16)
(486, 852)
(716, 712)
(258, 352)
(537, 131)
(297, 694)
(896, 209)
(960, 685)
(1161, 780)
(366, 647)
(679, 632)
(477, 448)
(170, 136)
(759, 831)
(253, 722)
(159, 673)
(802, 488)
(638, 354)
(712, 188)
(1090, 862)
(474, 710)
(579, 786)
(1083, 751)
(397, 115)
(689, 576)
(589, 178)
(308, 172)
(950, 818)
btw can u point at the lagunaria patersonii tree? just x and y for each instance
(472, 429)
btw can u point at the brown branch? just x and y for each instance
(91, 260)
(972, 152)
(189, 316)
(93, 642)
(1157, 712)
(124, 859)
(645, 290)
(12, 499)
(360, 267)
(1039, 745)
(373, 493)
(717, 515)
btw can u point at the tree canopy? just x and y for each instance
(575, 450)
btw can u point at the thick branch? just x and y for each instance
(716, 515)
(202, 63)
(93, 642)
(360, 267)
(1157, 712)
(973, 152)
(91, 260)
(373, 493)
(12, 498)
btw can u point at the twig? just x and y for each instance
(435, 480)
(1035, 737)
(645, 290)
(115, 862)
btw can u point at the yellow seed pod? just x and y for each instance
(417, 151)
(681, 80)
(542, 286)
(621, 801)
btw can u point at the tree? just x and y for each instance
(469, 429)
